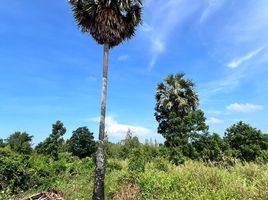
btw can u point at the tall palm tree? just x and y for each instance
(175, 99)
(109, 22)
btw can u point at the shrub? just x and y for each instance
(113, 165)
(263, 157)
(13, 172)
(176, 156)
(159, 185)
(137, 161)
(160, 164)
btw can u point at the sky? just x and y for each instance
(50, 71)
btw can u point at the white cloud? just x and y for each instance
(227, 84)
(213, 120)
(238, 61)
(119, 130)
(217, 112)
(245, 108)
(239, 41)
(213, 6)
(146, 27)
(244, 30)
(248, 24)
(161, 20)
(91, 78)
(230, 81)
(123, 57)
(158, 47)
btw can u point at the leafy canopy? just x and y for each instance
(210, 147)
(20, 142)
(246, 140)
(2, 143)
(54, 143)
(82, 143)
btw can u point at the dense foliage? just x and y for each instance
(82, 143)
(246, 141)
(20, 142)
(210, 147)
(54, 143)
(147, 170)
(156, 178)
(136, 167)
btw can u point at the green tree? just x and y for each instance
(137, 160)
(20, 142)
(54, 143)
(82, 143)
(109, 23)
(210, 147)
(2, 143)
(130, 141)
(246, 140)
(265, 141)
(128, 144)
(180, 120)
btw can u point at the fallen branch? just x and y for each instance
(44, 196)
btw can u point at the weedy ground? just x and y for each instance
(162, 180)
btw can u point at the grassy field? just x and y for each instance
(162, 180)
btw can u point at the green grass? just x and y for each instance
(194, 180)
(162, 181)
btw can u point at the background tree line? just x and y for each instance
(240, 141)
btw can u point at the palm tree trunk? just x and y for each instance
(98, 193)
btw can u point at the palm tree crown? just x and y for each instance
(177, 94)
(108, 21)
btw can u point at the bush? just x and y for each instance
(160, 164)
(176, 156)
(263, 157)
(137, 161)
(14, 175)
(113, 165)
(159, 185)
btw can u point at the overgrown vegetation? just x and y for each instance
(156, 179)
(147, 171)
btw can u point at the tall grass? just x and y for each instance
(163, 181)
(195, 180)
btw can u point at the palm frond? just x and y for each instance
(177, 93)
(108, 21)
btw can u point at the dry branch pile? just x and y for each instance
(45, 196)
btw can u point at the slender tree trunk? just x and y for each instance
(98, 193)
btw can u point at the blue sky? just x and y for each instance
(50, 71)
